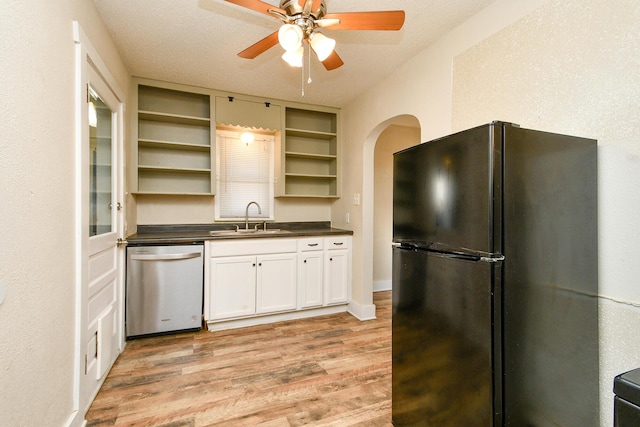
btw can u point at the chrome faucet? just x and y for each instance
(246, 214)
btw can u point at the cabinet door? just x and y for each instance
(233, 287)
(276, 283)
(336, 277)
(311, 279)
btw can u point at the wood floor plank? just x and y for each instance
(328, 371)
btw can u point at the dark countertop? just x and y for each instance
(195, 233)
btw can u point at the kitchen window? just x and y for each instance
(245, 170)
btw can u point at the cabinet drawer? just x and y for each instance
(252, 247)
(311, 244)
(337, 242)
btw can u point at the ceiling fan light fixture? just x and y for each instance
(290, 37)
(322, 45)
(294, 57)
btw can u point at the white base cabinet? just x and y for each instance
(310, 272)
(248, 277)
(336, 272)
(253, 281)
(276, 283)
(232, 287)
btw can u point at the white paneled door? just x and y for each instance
(99, 215)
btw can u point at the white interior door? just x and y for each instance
(100, 219)
(103, 205)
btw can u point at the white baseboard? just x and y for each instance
(277, 317)
(362, 312)
(381, 285)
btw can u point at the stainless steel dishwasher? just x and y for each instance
(164, 289)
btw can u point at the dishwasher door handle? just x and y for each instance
(165, 257)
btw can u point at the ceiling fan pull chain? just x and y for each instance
(302, 78)
(309, 64)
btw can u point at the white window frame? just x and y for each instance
(268, 210)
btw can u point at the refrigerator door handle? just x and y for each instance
(495, 258)
(467, 253)
(454, 253)
(471, 257)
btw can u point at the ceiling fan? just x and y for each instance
(301, 21)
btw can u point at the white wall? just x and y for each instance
(420, 88)
(37, 193)
(582, 78)
(567, 66)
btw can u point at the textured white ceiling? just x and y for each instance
(196, 42)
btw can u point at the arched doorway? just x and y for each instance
(386, 138)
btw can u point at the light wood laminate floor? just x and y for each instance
(327, 371)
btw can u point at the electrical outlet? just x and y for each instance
(356, 199)
(346, 218)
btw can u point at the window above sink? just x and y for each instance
(245, 171)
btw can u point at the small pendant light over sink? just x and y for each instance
(247, 137)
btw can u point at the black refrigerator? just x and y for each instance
(495, 280)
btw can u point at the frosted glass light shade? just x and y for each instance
(290, 37)
(294, 57)
(322, 45)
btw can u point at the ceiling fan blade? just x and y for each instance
(258, 6)
(315, 4)
(391, 20)
(262, 46)
(306, 7)
(333, 61)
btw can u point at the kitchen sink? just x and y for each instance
(241, 232)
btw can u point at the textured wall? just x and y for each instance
(37, 179)
(36, 268)
(420, 88)
(574, 67)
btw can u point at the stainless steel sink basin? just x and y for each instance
(241, 232)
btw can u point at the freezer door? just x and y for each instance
(445, 366)
(448, 191)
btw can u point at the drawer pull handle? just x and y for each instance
(312, 244)
(338, 243)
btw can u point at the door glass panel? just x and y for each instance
(100, 182)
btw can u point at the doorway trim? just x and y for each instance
(368, 157)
